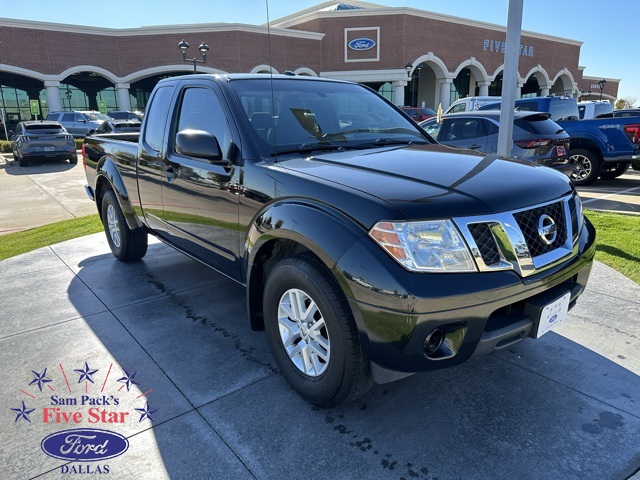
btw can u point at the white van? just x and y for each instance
(470, 103)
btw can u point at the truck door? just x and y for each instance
(200, 201)
(150, 156)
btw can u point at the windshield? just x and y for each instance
(307, 114)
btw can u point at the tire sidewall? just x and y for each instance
(595, 167)
(285, 276)
(110, 199)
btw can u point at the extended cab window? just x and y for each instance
(154, 130)
(201, 110)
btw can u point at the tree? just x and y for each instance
(625, 102)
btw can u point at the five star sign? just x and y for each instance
(85, 374)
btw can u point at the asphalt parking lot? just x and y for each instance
(200, 396)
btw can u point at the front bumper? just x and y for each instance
(395, 310)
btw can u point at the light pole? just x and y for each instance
(601, 85)
(204, 48)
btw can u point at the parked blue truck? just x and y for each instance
(600, 147)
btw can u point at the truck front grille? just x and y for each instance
(527, 240)
(529, 224)
(486, 243)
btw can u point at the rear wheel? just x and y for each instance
(586, 166)
(23, 162)
(613, 170)
(312, 334)
(126, 245)
(73, 160)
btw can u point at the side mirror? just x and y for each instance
(198, 144)
(10, 133)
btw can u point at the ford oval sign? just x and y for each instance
(84, 444)
(362, 44)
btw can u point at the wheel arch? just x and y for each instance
(108, 177)
(586, 143)
(288, 229)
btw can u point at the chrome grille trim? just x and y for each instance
(507, 238)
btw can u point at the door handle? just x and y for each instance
(170, 173)
(474, 146)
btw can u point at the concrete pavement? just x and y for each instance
(42, 193)
(564, 406)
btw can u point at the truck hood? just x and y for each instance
(428, 181)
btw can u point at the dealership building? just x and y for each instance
(413, 57)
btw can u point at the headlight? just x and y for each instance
(433, 246)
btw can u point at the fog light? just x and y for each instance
(433, 341)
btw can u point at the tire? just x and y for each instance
(336, 370)
(23, 162)
(126, 245)
(613, 170)
(73, 160)
(586, 166)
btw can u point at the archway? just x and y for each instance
(426, 74)
(563, 84)
(84, 90)
(15, 93)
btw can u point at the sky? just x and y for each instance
(608, 29)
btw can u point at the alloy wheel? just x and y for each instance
(303, 332)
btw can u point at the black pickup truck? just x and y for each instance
(368, 250)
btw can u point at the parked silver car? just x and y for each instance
(536, 138)
(78, 124)
(42, 139)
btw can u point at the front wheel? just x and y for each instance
(126, 245)
(586, 166)
(613, 170)
(312, 334)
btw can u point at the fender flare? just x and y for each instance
(107, 173)
(312, 226)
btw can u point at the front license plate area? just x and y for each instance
(552, 315)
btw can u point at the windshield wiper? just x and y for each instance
(309, 147)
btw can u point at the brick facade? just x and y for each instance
(313, 41)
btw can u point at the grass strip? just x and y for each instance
(13, 244)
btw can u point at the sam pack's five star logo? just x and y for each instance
(85, 374)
